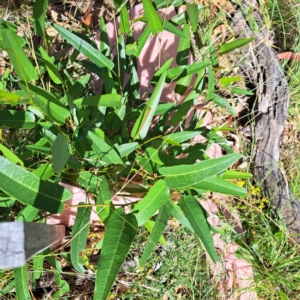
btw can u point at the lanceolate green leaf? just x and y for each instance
(154, 199)
(152, 17)
(22, 284)
(184, 176)
(46, 102)
(176, 212)
(111, 100)
(79, 235)
(104, 197)
(223, 103)
(142, 41)
(10, 155)
(232, 174)
(19, 60)
(159, 227)
(85, 48)
(124, 20)
(29, 189)
(192, 10)
(120, 232)
(143, 123)
(104, 151)
(194, 213)
(228, 47)
(51, 69)
(220, 185)
(17, 119)
(126, 149)
(183, 136)
(39, 14)
(60, 154)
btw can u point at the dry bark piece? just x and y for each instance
(261, 67)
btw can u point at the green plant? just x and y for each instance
(96, 141)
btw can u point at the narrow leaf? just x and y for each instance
(183, 136)
(19, 60)
(10, 155)
(152, 17)
(126, 149)
(154, 199)
(120, 232)
(184, 176)
(177, 213)
(104, 151)
(51, 69)
(60, 154)
(228, 47)
(29, 189)
(223, 103)
(22, 284)
(46, 102)
(79, 235)
(85, 48)
(219, 185)
(124, 20)
(17, 119)
(192, 11)
(159, 227)
(143, 123)
(196, 216)
(232, 174)
(104, 197)
(110, 100)
(39, 14)
(142, 41)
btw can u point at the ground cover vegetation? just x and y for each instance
(55, 128)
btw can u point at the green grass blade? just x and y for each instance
(22, 284)
(19, 60)
(79, 235)
(184, 176)
(110, 100)
(39, 14)
(152, 17)
(194, 213)
(17, 119)
(219, 185)
(46, 102)
(228, 47)
(60, 154)
(120, 232)
(29, 189)
(143, 123)
(159, 227)
(152, 202)
(85, 48)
